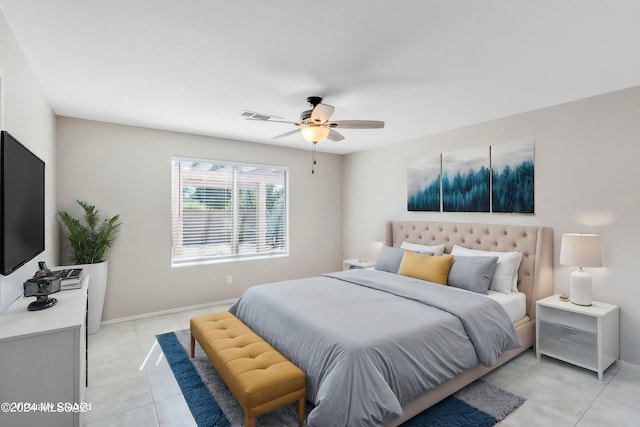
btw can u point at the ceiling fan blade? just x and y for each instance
(321, 113)
(357, 124)
(291, 132)
(334, 136)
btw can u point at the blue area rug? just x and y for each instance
(480, 404)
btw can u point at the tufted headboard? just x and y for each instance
(535, 277)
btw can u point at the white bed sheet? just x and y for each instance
(514, 303)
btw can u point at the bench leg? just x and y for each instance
(249, 421)
(301, 411)
(193, 346)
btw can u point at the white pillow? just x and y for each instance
(505, 278)
(423, 249)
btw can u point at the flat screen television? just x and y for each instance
(21, 204)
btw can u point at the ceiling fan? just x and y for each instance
(314, 124)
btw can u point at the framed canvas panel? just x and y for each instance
(512, 177)
(423, 183)
(465, 180)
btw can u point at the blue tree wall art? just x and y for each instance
(465, 180)
(512, 185)
(423, 184)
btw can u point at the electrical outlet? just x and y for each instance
(229, 279)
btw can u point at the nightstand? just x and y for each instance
(351, 264)
(586, 336)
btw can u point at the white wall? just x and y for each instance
(127, 170)
(586, 180)
(26, 114)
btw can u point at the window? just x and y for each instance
(224, 211)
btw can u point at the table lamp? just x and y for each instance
(580, 250)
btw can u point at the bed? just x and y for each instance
(366, 339)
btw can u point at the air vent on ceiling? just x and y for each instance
(257, 116)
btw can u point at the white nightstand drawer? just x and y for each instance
(573, 340)
(573, 320)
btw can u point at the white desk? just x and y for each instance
(43, 359)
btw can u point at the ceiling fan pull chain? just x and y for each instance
(313, 158)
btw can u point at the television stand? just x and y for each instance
(43, 358)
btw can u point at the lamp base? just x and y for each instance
(580, 290)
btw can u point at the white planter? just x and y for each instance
(97, 288)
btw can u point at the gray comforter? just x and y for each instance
(371, 341)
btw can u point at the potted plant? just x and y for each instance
(90, 243)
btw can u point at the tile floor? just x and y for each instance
(131, 384)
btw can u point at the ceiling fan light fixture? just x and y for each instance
(315, 134)
(315, 125)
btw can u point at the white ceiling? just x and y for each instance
(422, 66)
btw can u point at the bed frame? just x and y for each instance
(535, 280)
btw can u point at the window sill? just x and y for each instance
(226, 260)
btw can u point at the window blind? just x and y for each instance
(226, 211)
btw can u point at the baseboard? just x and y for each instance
(624, 364)
(169, 311)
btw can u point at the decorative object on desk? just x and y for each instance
(90, 243)
(212, 404)
(580, 250)
(43, 284)
(70, 278)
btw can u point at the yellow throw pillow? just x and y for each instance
(426, 267)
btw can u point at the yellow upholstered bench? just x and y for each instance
(260, 378)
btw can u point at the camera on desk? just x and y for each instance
(41, 285)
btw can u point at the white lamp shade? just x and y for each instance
(314, 133)
(581, 250)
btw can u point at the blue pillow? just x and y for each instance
(389, 259)
(473, 273)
